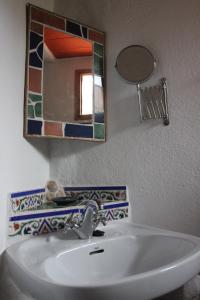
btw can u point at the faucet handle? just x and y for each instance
(72, 222)
(99, 219)
(103, 220)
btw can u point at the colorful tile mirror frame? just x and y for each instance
(39, 22)
(30, 213)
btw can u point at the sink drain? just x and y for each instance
(96, 252)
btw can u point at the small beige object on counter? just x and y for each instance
(53, 190)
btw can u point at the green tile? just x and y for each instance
(31, 111)
(98, 65)
(98, 49)
(38, 109)
(35, 98)
(99, 131)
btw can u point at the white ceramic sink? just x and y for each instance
(133, 262)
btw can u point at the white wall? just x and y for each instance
(160, 165)
(23, 164)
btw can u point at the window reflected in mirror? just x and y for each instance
(86, 94)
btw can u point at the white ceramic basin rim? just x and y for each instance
(131, 261)
(111, 261)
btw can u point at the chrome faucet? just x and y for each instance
(90, 219)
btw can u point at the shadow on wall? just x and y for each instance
(128, 115)
(65, 148)
(125, 113)
(42, 145)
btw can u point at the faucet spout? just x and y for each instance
(85, 227)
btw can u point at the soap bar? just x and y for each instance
(98, 233)
(65, 200)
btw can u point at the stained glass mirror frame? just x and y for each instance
(34, 123)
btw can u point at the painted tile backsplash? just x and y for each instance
(31, 214)
(28, 200)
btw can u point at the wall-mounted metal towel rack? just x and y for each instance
(153, 102)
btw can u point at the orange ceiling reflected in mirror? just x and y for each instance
(64, 45)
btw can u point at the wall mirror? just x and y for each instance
(135, 64)
(64, 88)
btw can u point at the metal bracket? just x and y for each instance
(153, 102)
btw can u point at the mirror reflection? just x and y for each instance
(68, 77)
(135, 64)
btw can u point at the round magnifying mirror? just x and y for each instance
(135, 64)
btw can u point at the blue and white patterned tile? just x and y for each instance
(103, 193)
(37, 226)
(35, 199)
(28, 200)
(115, 211)
(28, 216)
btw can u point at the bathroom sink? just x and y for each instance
(131, 261)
